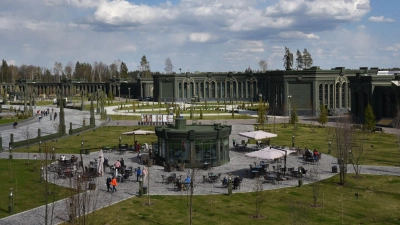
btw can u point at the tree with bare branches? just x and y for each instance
(259, 198)
(343, 140)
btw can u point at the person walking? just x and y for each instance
(108, 183)
(55, 116)
(144, 173)
(114, 184)
(138, 173)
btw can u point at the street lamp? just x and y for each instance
(41, 173)
(119, 146)
(229, 184)
(10, 152)
(290, 99)
(129, 95)
(40, 149)
(140, 185)
(293, 141)
(10, 202)
(329, 147)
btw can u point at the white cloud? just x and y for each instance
(74, 3)
(297, 35)
(361, 27)
(380, 19)
(338, 9)
(201, 37)
(392, 48)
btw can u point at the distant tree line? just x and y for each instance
(96, 72)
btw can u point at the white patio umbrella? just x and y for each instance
(266, 153)
(270, 153)
(258, 135)
(138, 132)
(100, 162)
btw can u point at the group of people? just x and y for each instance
(236, 182)
(45, 113)
(311, 154)
(112, 183)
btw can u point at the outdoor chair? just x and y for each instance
(61, 175)
(164, 179)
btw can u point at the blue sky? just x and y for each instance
(206, 35)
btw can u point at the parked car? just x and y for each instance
(148, 98)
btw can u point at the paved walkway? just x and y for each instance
(237, 166)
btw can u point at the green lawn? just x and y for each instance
(28, 191)
(385, 150)
(378, 203)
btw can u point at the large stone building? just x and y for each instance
(304, 89)
(339, 90)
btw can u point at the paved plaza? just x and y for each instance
(238, 166)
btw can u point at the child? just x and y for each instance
(114, 184)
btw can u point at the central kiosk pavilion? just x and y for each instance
(194, 145)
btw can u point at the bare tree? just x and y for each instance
(69, 70)
(259, 197)
(168, 66)
(396, 124)
(28, 135)
(316, 186)
(58, 69)
(263, 65)
(343, 140)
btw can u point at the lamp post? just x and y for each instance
(119, 142)
(140, 186)
(293, 140)
(329, 147)
(10, 152)
(40, 149)
(82, 143)
(289, 102)
(11, 202)
(41, 173)
(229, 184)
(53, 154)
(129, 94)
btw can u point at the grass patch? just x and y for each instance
(28, 191)
(284, 206)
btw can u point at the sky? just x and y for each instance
(200, 35)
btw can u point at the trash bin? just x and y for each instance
(334, 169)
(145, 190)
(150, 162)
(87, 152)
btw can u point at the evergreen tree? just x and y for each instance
(261, 113)
(307, 59)
(369, 118)
(123, 70)
(293, 116)
(145, 67)
(4, 72)
(287, 59)
(299, 60)
(323, 115)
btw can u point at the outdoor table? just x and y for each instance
(212, 177)
(107, 149)
(206, 165)
(295, 173)
(122, 151)
(255, 173)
